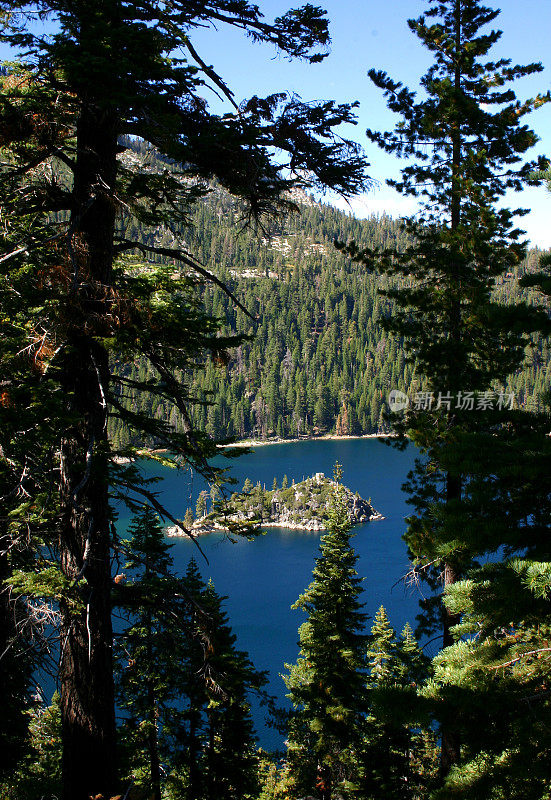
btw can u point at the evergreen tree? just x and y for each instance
(230, 766)
(468, 155)
(386, 751)
(326, 685)
(149, 651)
(201, 508)
(248, 486)
(188, 519)
(108, 72)
(189, 734)
(494, 681)
(38, 774)
(399, 748)
(182, 683)
(30, 412)
(214, 748)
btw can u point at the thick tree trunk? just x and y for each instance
(86, 670)
(15, 669)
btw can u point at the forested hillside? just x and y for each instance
(318, 360)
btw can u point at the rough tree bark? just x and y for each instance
(86, 670)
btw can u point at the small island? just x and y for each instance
(299, 506)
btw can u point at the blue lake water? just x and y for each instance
(262, 578)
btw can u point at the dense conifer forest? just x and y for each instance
(319, 359)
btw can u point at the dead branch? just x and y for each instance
(520, 657)
(163, 512)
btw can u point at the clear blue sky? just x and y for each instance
(368, 33)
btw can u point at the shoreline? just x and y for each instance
(325, 437)
(252, 443)
(174, 532)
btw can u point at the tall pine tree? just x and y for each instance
(494, 681)
(104, 71)
(326, 685)
(214, 752)
(183, 686)
(149, 650)
(468, 138)
(399, 748)
(229, 768)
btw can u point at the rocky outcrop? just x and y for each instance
(301, 506)
(305, 505)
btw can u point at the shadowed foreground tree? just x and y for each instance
(183, 685)
(38, 774)
(149, 651)
(29, 417)
(468, 138)
(227, 758)
(494, 681)
(98, 72)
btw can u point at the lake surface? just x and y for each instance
(264, 577)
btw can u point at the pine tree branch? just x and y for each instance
(125, 244)
(518, 658)
(14, 253)
(215, 78)
(162, 511)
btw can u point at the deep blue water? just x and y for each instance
(264, 577)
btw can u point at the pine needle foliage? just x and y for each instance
(38, 773)
(468, 138)
(326, 685)
(183, 686)
(97, 297)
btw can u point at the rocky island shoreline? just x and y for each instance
(300, 506)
